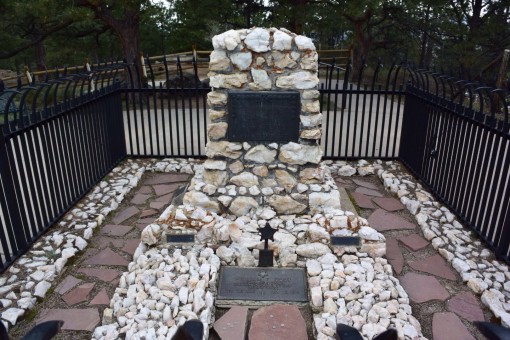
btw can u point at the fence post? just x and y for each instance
(503, 245)
(13, 212)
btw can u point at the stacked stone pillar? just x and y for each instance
(242, 177)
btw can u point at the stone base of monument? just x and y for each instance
(261, 286)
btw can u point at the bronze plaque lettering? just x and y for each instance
(265, 116)
(262, 284)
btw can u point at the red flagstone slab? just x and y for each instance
(147, 220)
(78, 294)
(163, 189)
(74, 319)
(115, 230)
(131, 245)
(104, 241)
(394, 255)
(346, 186)
(158, 205)
(414, 242)
(232, 325)
(148, 212)
(369, 192)
(125, 214)
(389, 203)
(423, 288)
(466, 305)
(107, 257)
(448, 326)
(101, 298)
(144, 190)
(367, 185)
(167, 178)
(141, 226)
(103, 274)
(66, 285)
(277, 322)
(165, 198)
(140, 199)
(342, 180)
(363, 201)
(382, 220)
(434, 265)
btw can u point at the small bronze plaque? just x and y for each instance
(345, 241)
(262, 284)
(264, 116)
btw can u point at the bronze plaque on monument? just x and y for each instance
(263, 116)
(262, 284)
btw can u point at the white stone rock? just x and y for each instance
(324, 202)
(313, 267)
(311, 121)
(281, 41)
(26, 302)
(242, 205)
(304, 43)
(312, 250)
(41, 288)
(258, 40)
(80, 243)
(317, 233)
(294, 153)
(219, 61)
(267, 214)
(477, 285)
(260, 154)
(12, 315)
(245, 179)
(224, 149)
(227, 40)
(261, 80)
(370, 234)
(346, 171)
(242, 60)
(316, 294)
(225, 254)
(460, 265)
(491, 300)
(228, 81)
(150, 234)
(199, 199)
(302, 80)
(285, 204)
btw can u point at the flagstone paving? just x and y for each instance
(87, 287)
(441, 302)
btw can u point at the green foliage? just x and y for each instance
(433, 33)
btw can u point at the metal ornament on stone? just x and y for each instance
(266, 254)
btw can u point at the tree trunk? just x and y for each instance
(127, 30)
(424, 39)
(130, 42)
(39, 53)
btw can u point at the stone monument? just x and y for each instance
(265, 127)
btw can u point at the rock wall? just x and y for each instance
(239, 176)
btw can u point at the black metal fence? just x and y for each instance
(57, 140)
(362, 111)
(61, 137)
(456, 139)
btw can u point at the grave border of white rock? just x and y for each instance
(238, 248)
(476, 264)
(32, 275)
